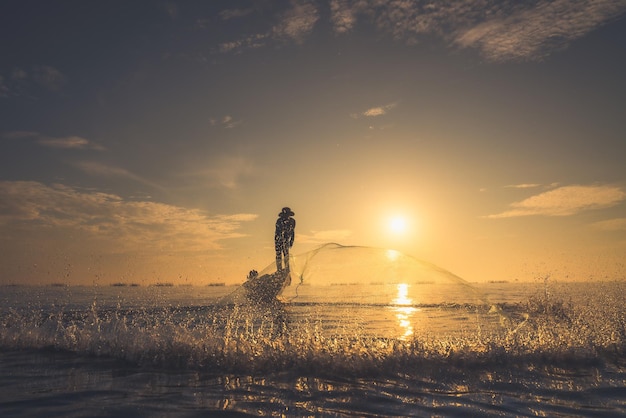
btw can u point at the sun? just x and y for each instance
(397, 225)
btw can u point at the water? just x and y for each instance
(339, 349)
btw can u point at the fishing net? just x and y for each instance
(369, 274)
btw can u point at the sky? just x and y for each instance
(157, 141)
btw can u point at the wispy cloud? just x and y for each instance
(227, 171)
(70, 142)
(67, 142)
(4, 89)
(617, 224)
(229, 14)
(342, 15)
(321, 237)
(375, 111)
(533, 32)
(565, 201)
(226, 122)
(20, 82)
(49, 77)
(19, 74)
(523, 186)
(224, 172)
(297, 22)
(17, 135)
(129, 225)
(294, 24)
(98, 169)
(257, 40)
(501, 30)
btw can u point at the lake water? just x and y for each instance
(339, 349)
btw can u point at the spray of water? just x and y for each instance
(300, 334)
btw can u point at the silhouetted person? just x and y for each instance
(283, 237)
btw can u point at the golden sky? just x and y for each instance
(157, 141)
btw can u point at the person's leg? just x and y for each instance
(286, 256)
(279, 251)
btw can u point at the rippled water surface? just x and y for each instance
(393, 349)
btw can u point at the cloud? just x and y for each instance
(239, 217)
(565, 201)
(406, 20)
(532, 33)
(49, 77)
(103, 170)
(227, 171)
(235, 13)
(4, 89)
(375, 111)
(16, 135)
(294, 24)
(523, 186)
(36, 208)
(92, 167)
(21, 82)
(226, 122)
(500, 30)
(10, 87)
(297, 22)
(249, 42)
(224, 172)
(617, 224)
(321, 237)
(19, 74)
(68, 142)
(342, 16)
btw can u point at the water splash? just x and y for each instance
(341, 337)
(359, 281)
(338, 265)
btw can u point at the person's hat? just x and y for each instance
(286, 212)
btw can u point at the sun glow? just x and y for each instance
(392, 255)
(400, 229)
(397, 225)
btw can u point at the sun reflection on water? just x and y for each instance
(392, 255)
(402, 306)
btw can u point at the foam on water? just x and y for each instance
(337, 338)
(410, 336)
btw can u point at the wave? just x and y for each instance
(300, 336)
